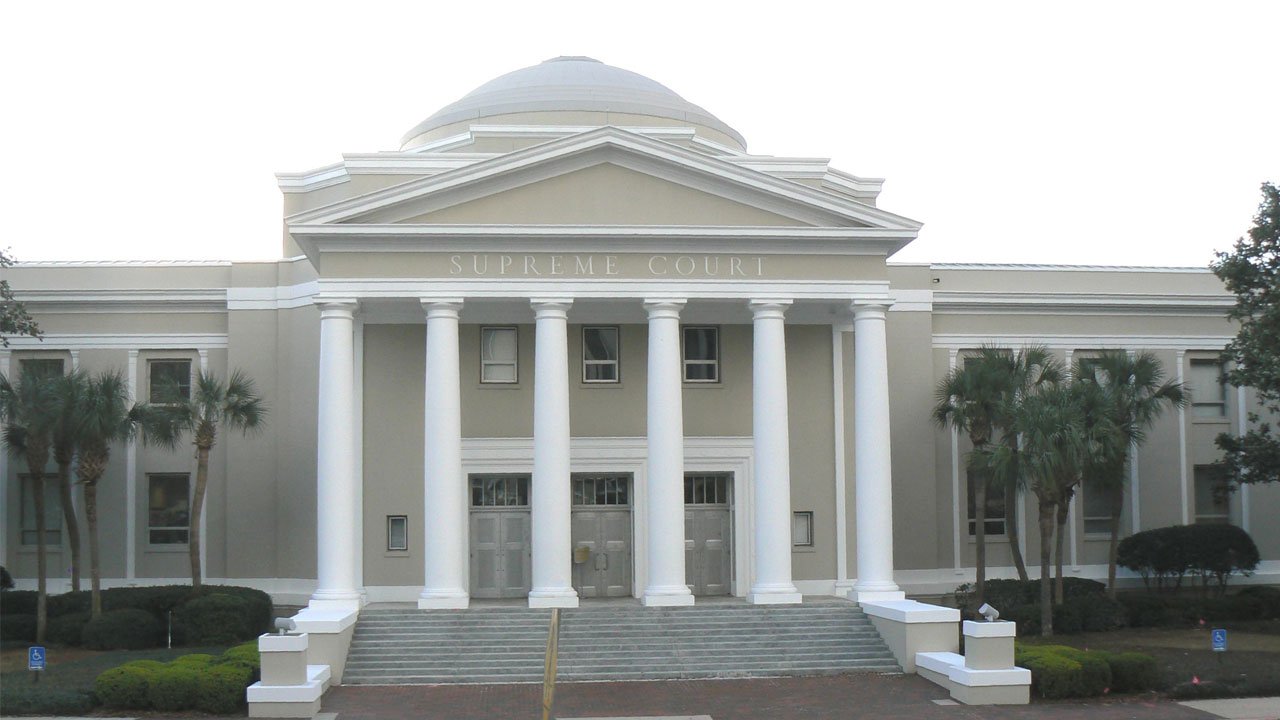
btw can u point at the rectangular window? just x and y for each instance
(499, 490)
(994, 510)
(701, 355)
(52, 512)
(802, 528)
(1096, 506)
(498, 355)
(170, 380)
(601, 489)
(702, 489)
(1211, 496)
(168, 509)
(397, 532)
(1208, 391)
(600, 355)
(42, 367)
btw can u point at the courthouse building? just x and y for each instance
(572, 340)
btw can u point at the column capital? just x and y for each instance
(550, 307)
(336, 306)
(441, 307)
(870, 308)
(763, 309)
(664, 307)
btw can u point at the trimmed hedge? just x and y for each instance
(221, 688)
(174, 688)
(217, 619)
(1150, 610)
(1002, 594)
(67, 629)
(1133, 672)
(18, 627)
(125, 687)
(1165, 556)
(128, 629)
(24, 699)
(1088, 613)
(1058, 671)
(18, 602)
(204, 682)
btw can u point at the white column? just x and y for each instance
(357, 430)
(131, 481)
(772, 475)
(665, 475)
(1182, 448)
(843, 583)
(959, 524)
(551, 499)
(444, 488)
(335, 460)
(873, 476)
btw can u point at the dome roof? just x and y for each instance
(572, 83)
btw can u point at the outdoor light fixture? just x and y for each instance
(284, 625)
(986, 611)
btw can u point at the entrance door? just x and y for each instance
(500, 536)
(602, 535)
(708, 533)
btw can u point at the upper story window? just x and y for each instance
(1208, 391)
(701, 355)
(170, 380)
(993, 508)
(498, 355)
(1212, 506)
(168, 508)
(600, 355)
(42, 367)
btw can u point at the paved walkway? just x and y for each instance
(882, 697)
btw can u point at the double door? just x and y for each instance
(708, 533)
(501, 541)
(601, 535)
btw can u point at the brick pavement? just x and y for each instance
(883, 697)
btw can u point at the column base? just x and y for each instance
(667, 597)
(443, 600)
(775, 595)
(874, 591)
(335, 600)
(844, 587)
(555, 598)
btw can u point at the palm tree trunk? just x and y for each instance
(42, 559)
(1046, 591)
(95, 570)
(69, 518)
(1011, 513)
(980, 535)
(1114, 550)
(197, 508)
(1063, 508)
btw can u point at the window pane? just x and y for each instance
(42, 367)
(994, 506)
(170, 379)
(499, 373)
(600, 343)
(397, 532)
(802, 528)
(168, 508)
(1211, 495)
(700, 344)
(498, 344)
(699, 371)
(1208, 393)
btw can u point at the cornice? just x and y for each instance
(964, 341)
(125, 301)
(1089, 303)
(1014, 267)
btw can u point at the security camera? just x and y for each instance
(989, 613)
(285, 625)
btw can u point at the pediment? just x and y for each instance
(599, 178)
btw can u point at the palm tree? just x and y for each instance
(1132, 392)
(67, 390)
(234, 404)
(103, 417)
(28, 408)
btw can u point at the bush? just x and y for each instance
(1268, 597)
(1149, 610)
(1068, 618)
(1054, 676)
(1166, 555)
(17, 602)
(174, 688)
(1006, 594)
(129, 629)
(246, 654)
(1095, 677)
(197, 660)
(1168, 611)
(24, 699)
(18, 627)
(217, 619)
(126, 687)
(1133, 672)
(1100, 613)
(6, 580)
(68, 629)
(69, 603)
(221, 688)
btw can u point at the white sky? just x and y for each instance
(1079, 132)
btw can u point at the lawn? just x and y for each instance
(1250, 666)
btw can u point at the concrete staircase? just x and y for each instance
(614, 641)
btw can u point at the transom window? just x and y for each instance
(498, 355)
(600, 355)
(601, 490)
(1208, 391)
(701, 354)
(500, 491)
(168, 509)
(42, 367)
(706, 489)
(170, 380)
(52, 512)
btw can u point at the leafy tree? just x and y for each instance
(28, 407)
(103, 417)
(1252, 272)
(233, 404)
(1127, 394)
(14, 318)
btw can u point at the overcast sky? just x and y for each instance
(1081, 132)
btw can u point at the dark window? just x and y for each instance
(168, 509)
(52, 512)
(601, 489)
(600, 355)
(995, 506)
(397, 532)
(170, 380)
(42, 367)
(499, 490)
(701, 354)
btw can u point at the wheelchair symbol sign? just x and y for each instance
(1219, 640)
(35, 658)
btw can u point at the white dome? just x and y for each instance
(572, 83)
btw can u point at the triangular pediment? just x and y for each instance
(599, 178)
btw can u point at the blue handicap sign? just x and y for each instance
(35, 658)
(1219, 640)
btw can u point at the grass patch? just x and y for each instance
(1250, 667)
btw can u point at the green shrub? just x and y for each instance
(146, 664)
(195, 660)
(1005, 594)
(18, 627)
(69, 603)
(128, 629)
(1268, 597)
(221, 688)
(17, 602)
(67, 629)
(1101, 613)
(30, 699)
(1068, 618)
(125, 687)
(1148, 610)
(245, 654)
(1054, 676)
(155, 599)
(1133, 672)
(174, 688)
(1095, 677)
(1164, 556)
(216, 619)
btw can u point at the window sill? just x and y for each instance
(703, 385)
(499, 386)
(33, 549)
(174, 549)
(803, 549)
(1210, 421)
(601, 385)
(395, 554)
